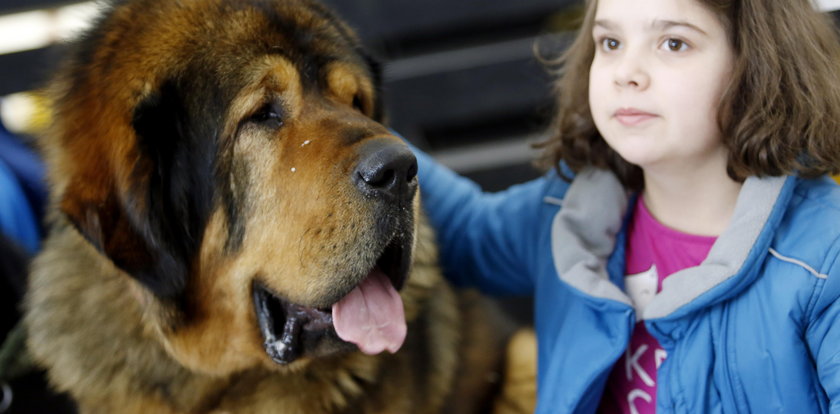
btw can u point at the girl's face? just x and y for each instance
(659, 70)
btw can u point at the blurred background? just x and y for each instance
(464, 80)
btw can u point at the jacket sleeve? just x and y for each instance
(488, 241)
(18, 220)
(823, 334)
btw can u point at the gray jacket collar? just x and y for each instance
(584, 235)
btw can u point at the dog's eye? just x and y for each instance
(269, 115)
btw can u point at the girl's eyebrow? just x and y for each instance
(606, 24)
(657, 24)
(668, 24)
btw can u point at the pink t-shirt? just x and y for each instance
(654, 252)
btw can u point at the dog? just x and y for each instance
(233, 228)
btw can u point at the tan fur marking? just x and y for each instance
(346, 84)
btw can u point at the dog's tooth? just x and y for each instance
(285, 348)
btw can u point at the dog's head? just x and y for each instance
(229, 156)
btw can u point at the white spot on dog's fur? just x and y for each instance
(294, 169)
(305, 143)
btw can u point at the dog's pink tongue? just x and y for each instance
(371, 316)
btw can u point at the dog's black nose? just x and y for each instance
(386, 170)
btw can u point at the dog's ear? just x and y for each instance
(152, 230)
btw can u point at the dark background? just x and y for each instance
(462, 80)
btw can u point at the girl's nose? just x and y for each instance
(631, 72)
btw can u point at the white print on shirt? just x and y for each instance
(641, 288)
(632, 366)
(659, 356)
(637, 393)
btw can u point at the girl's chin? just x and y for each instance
(639, 155)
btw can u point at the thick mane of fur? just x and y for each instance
(102, 346)
(200, 148)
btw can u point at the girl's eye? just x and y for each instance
(610, 43)
(676, 45)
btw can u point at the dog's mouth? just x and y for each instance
(370, 315)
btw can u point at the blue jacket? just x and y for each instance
(22, 192)
(17, 219)
(754, 329)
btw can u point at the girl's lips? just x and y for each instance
(632, 116)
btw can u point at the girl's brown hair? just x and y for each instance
(780, 113)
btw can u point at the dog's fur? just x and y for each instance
(201, 148)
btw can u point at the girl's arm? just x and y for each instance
(487, 240)
(823, 334)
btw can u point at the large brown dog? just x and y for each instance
(231, 224)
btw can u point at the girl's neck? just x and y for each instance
(699, 203)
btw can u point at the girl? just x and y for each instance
(692, 262)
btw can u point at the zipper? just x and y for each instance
(664, 386)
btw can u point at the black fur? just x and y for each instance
(178, 136)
